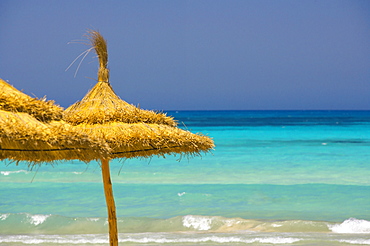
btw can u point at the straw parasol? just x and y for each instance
(129, 131)
(32, 130)
(14, 100)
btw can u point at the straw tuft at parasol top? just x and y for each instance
(102, 105)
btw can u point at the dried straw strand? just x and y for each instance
(100, 46)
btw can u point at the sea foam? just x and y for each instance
(6, 173)
(142, 239)
(351, 225)
(214, 239)
(55, 239)
(278, 240)
(201, 223)
(356, 241)
(4, 216)
(37, 219)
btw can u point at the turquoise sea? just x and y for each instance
(274, 178)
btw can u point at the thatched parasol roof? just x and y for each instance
(14, 100)
(129, 131)
(101, 105)
(144, 140)
(24, 138)
(31, 130)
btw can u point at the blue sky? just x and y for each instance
(194, 55)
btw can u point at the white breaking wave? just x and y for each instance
(4, 216)
(201, 223)
(277, 240)
(351, 225)
(37, 219)
(55, 239)
(6, 173)
(215, 239)
(356, 241)
(181, 194)
(103, 239)
(94, 219)
(276, 225)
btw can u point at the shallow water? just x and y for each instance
(275, 177)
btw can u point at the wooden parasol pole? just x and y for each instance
(100, 46)
(111, 207)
